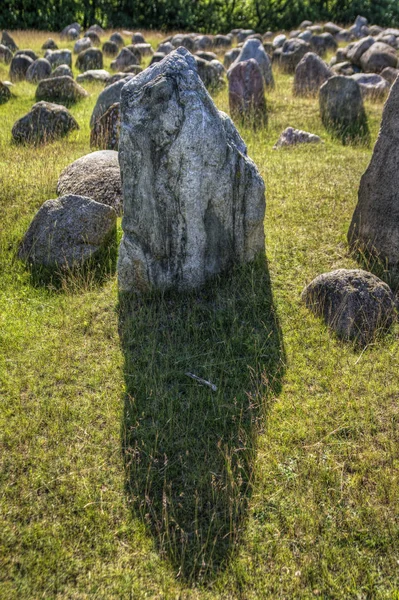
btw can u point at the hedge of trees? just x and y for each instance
(191, 15)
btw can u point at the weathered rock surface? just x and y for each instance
(27, 52)
(292, 52)
(90, 59)
(40, 69)
(310, 74)
(390, 74)
(96, 176)
(357, 50)
(342, 111)
(354, 303)
(45, 122)
(193, 201)
(110, 48)
(67, 232)
(63, 90)
(62, 71)
(377, 57)
(109, 96)
(19, 67)
(230, 57)
(59, 57)
(247, 93)
(292, 137)
(374, 228)
(117, 38)
(105, 132)
(49, 44)
(253, 48)
(372, 85)
(82, 44)
(124, 59)
(64, 33)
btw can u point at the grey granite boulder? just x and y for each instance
(310, 74)
(96, 176)
(374, 228)
(110, 48)
(293, 137)
(292, 51)
(49, 44)
(194, 202)
(65, 32)
(45, 122)
(323, 43)
(63, 90)
(390, 74)
(67, 232)
(82, 44)
(230, 57)
(253, 48)
(356, 50)
(377, 57)
(59, 57)
(40, 69)
(107, 98)
(62, 71)
(354, 303)
(372, 86)
(124, 59)
(165, 48)
(19, 67)
(89, 60)
(27, 52)
(117, 38)
(342, 110)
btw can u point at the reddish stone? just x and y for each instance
(247, 93)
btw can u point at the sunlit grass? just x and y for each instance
(308, 427)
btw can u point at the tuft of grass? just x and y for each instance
(121, 476)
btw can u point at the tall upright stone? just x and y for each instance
(342, 111)
(247, 94)
(374, 229)
(194, 202)
(253, 48)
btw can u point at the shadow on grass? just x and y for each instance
(189, 451)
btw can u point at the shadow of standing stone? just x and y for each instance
(189, 450)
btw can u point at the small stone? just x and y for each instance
(293, 137)
(5, 93)
(354, 303)
(49, 44)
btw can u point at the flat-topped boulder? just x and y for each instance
(45, 122)
(193, 201)
(95, 175)
(94, 75)
(292, 137)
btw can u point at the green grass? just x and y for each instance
(121, 477)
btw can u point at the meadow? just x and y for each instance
(122, 477)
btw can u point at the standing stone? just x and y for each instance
(49, 44)
(107, 98)
(124, 59)
(45, 122)
(292, 52)
(62, 71)
(90, 59)
(19, 67)
(59, 57)
(193, 201)
(374, 229)
(8, 41)
(117, 39)
(110, 48)
(230, 57)
(253, 48)
(342, 111)
(67, 232)
(83, 44)
(105, 132)
(63, 90)
(40, 69)
(310, 74)
(356, 51)
(247, 93)
(377, 57)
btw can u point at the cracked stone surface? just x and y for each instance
(194, 202)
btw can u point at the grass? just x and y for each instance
(122, 477)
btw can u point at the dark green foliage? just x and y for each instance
(202, 15)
